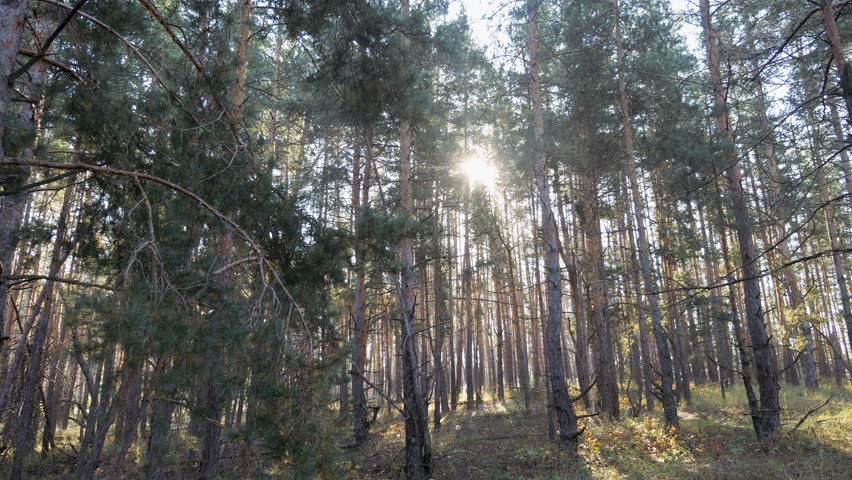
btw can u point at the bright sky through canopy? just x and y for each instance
(479, 171)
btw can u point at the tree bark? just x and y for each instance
(12, 18)
(467, 292)
(837, 54)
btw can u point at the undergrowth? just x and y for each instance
(715, 441)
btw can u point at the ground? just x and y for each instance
(716, 441)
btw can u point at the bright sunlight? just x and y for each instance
(479, 171)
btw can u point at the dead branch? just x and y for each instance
(810, 412)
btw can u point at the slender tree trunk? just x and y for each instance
(537, 309)
(767, 418)
(12, 17)
(468, 306)
(441, 316)
(418, 448)
(664, 358)
(452, 249)
(32, 377)
(359, 313)
(562, 403)
(501, 394)
(520, 345)
(607, 385)
(835, 241)
(479, 362)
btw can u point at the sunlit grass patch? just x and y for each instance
(715, 441)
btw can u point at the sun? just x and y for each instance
(479, 172)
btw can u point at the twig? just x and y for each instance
(811, 412)
(55, 63)
(30, 278)
(43, 50)
(234, 264)
(377, 389)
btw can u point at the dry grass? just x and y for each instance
(715, 442)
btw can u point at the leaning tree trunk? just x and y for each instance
(768, 420)
(562, 403)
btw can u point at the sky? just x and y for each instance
(485, 15)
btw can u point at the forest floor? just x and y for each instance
(716, 441)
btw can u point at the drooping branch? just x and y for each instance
(253, 245)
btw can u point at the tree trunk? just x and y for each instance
(520, 345)
(467, 293)
(32, 377)
(441, 316)
(767, 420)
(589, 216)
(542, 324)
(581, 343)
(418, 448)
(501, 394)
(664, 358)
(360, 199)
(562, 403)
(12, 17)
(836, 246)
(838, 57)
